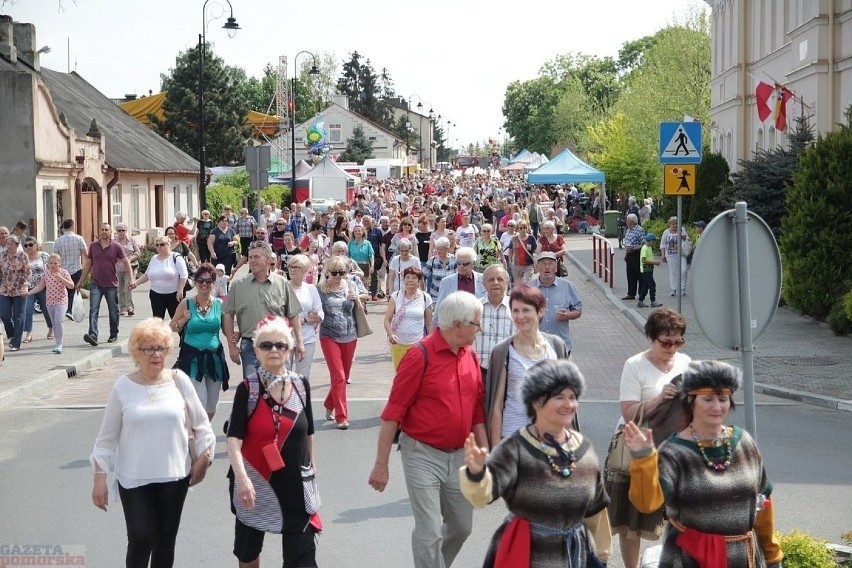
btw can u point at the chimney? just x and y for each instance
(341, 100)
(7, 41)
(25, 42)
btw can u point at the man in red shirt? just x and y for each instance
(181, 230)
(436, 402)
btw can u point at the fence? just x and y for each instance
(602, 258)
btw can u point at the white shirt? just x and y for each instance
(309, 299)
(641, 380)
(164, 275)
(143, 436)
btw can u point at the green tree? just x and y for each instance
(358, 147)
(529, 108)
(402, 128)
(817, 229)
(225, 109)
(621, 157)
(575, 112)
(260, 92)
(712, 176)
(365, 89)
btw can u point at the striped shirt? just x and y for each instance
(245, 226)
(70, 246)
(497, 326)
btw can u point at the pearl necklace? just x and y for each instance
(723, 440)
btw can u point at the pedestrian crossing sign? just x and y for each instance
(680, 142)
(679, 179)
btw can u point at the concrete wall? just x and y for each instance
(17, 148)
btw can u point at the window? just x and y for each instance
(176, 199)
(136, 206)
(116, 205)
(49, 205)
(758, 143)
(191, 200)
(335, 133)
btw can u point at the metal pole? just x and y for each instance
(202, 152)
(293, 135)
(420, 144)
(679, 257)
(747, 343)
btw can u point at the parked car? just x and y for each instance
(321, 205)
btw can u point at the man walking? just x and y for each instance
(253, 297)
(633, 241)
(464, 280)
(436, 401)
(72, 248)
(497, 323)
(101, 258)
(563, 303)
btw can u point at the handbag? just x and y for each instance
(617, 462)
(190, 434)
(361, 324)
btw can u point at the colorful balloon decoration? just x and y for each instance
(315, 142)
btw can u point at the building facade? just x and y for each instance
(805, 45)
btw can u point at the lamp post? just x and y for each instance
(313, 71)
(232, 27)
(420, 131)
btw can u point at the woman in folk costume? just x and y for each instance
(548, 475)
(710, 477)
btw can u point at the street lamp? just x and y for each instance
(420, 131)
(232, 27)
(313, 71)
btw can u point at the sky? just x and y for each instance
(456, 56)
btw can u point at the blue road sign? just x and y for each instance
(680, 142)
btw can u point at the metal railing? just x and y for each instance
(603, 257)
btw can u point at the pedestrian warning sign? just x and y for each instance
(680, 142)
(679, 180)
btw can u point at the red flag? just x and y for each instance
(763, 92)
(782, 96)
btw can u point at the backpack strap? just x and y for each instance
(253, 384)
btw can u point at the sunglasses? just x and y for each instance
(279, 224)
(28, 245)
(122, 230)
(160, 245)
(269, 345)
(204, 281)
(464, 263)
(406, 224)
(337, 272)
(669, 344)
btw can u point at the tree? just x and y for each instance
(225, 109)
(260, 92)
(529, 107)
(365, 90)
(358, 147)
(817, 229)
(402, 128)
(574, 114)
(622, 157)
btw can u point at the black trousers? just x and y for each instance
(634, 275)
(71, 292)
(152, 514)
(374, 275)
(648, 286)
(162, 303)
(203, 251)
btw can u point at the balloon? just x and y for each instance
(315, 133)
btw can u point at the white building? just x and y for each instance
(805, 45)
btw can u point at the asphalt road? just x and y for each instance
(47, 482)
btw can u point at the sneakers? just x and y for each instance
(673, 294)
(329, 414)
(90, 340)
(130, 313)
(69, 317)
(641, 304)
(656, 305)
(112, 339)
(349, 380)
(343, 425)
(629, 298)
(57, 350)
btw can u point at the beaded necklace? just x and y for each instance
(564, 461)
(725, 441)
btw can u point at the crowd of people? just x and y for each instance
(472, 279)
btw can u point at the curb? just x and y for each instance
(769, 390)
(59, 375)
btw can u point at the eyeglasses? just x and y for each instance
(269, 345)
(204, 281)
(406, 224)
(464, 263)
(337, 272)
(476, 323)
(28, 245)
(669, 344)
(149, 351)
(160, 245)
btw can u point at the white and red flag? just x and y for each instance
(772, 100)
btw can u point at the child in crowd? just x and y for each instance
(312, 275)
(56, 279)
(647, 262)
(220, 287)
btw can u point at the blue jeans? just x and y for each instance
(12, 310)
(248, 357)
(28, 317)
(111, 294)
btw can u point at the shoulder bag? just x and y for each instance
(361, 324)
(617, 462)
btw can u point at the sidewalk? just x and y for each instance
(797, 358)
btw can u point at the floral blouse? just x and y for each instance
(38, 267)
(14, 274)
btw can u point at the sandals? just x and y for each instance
(50, 334)
(28, 338)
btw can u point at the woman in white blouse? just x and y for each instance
(144, 440)
(311, 316)
(167, 274)
(409, 313)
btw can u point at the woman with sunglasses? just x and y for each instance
(338, 334)
(221, 243)
(38, 265)
(646, 377)
(202, 356)
(271, 450)
(167, 274)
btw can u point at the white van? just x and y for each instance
(384, 168)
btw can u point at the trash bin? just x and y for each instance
(611, 223)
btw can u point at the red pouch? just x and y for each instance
(272, 455)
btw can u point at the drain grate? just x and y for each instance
(820, 361)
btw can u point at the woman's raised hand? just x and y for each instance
(637, 440)
(474, 456)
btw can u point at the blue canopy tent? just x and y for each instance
(565, 168)
(522, 156)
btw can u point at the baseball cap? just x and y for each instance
(700, 224)
(650, 237)
(220, 267)
(546, 255)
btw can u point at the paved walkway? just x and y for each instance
(796, 358)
